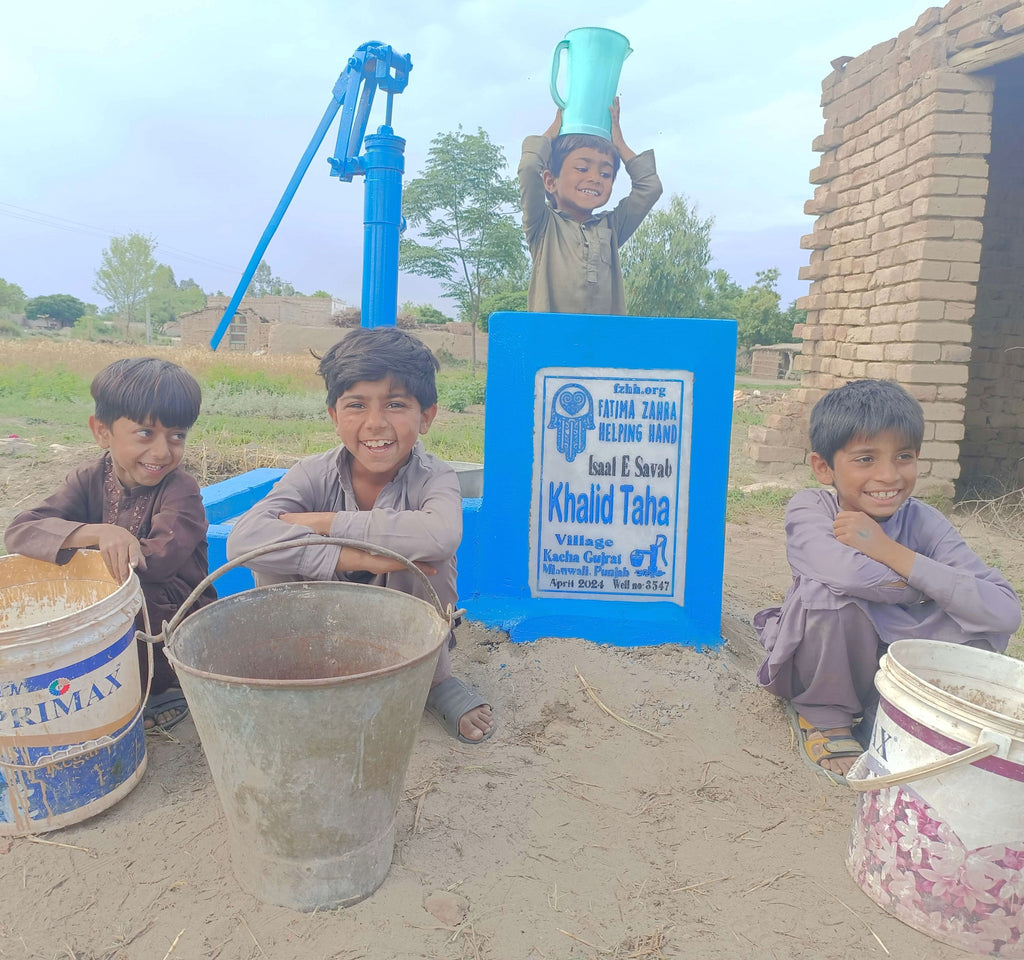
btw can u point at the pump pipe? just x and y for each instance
(373, 65)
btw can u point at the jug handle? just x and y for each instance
(556, 61)
(977, 752)
(164, 635)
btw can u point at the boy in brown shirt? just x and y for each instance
(135, 505)
(563, 181)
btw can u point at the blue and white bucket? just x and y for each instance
(72, 739)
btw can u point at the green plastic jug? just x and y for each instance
(593, 63)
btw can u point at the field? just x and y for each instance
(634, 803)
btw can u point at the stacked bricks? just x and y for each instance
(896, 248)
(994, 427)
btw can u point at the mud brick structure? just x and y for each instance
(917, 253)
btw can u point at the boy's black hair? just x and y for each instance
(146, 390)
(864, 408)
(380, 353)
(563, 145)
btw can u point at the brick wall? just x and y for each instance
(897, 247)
(993, 440)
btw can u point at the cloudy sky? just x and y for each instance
(185, 121)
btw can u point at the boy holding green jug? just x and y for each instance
(564, 179)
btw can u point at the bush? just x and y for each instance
(229, 379)
(456, 391)
(23, 383)
(10, 328)
(230, 399)
(514, 300)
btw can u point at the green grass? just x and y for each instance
(21, 382)
(742, 381)
(767, 505)
(460, 440)
(249, 418)
(456, 391)
(747, 418)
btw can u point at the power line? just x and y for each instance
(88, 229)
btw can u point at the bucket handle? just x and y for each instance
(977, 752)
(448, 615)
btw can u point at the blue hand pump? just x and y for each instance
(373, 65)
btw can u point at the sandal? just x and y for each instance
(450, 701)
(815, 746)
(172, 701)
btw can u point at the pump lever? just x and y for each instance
(372, 65)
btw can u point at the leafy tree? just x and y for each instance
(665, 263)
(423, 312)
(12, 298)
(265, 283)
(513, 300)
(170, 299)
(755, 309)
(63, 307)
(464, 206)
(127, 274)
(321, 293)
(430, 314)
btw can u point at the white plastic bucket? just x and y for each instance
(72, 741)
(938, 837)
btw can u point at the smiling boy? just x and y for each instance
(135, 504)
(380, 486)
(563, 183)
(870, 565)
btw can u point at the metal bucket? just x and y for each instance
(72, 741)
(938, 838)
(307, 698)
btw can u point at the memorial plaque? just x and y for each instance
(611, 468)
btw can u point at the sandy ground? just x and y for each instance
(682, 826)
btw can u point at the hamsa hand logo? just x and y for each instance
(572, 415)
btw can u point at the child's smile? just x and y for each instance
(142, 453)
(583, 184)
(379, 424)
(873, 475)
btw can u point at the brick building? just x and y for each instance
(917, 253)
(300, 324)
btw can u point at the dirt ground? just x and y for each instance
(684, 825)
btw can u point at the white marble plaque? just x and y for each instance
(611, 472)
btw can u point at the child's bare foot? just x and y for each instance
(475, 724)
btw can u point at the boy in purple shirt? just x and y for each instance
(870, 565)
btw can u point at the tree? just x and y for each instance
(127, 273)
(665, 263)
(265, 284)
(423, 312)
(12, 298)
(464, 206)
(62, 307)
(755, 309)
(170, 299)
(508, 300)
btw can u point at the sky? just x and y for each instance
(186, 120)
